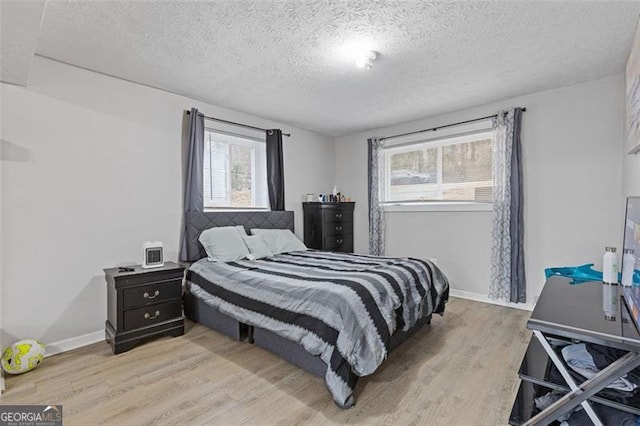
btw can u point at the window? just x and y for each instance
(457, 168)
(235, 171)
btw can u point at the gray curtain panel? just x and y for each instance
(518, 292)
(508, 280)
(376, 212)
(275, 169)
(193, 179)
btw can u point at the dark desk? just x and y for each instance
(574, 313)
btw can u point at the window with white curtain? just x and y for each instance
(448, 169)
(235, 171)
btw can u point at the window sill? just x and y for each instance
(439, 207)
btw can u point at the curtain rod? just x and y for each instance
(433, 129)
(238, 124)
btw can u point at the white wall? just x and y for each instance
(572, 139)
(91, 168)
(2, 297)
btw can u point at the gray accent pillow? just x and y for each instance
(257, 247)
(224, 243)
(280, 240)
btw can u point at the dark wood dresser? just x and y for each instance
(143, 303)
(329, 226)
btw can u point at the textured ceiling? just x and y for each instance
(282, 59)
(19, 26)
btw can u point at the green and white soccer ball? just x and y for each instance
(22, 356)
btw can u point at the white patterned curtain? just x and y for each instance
(507, 237)
(376, 212)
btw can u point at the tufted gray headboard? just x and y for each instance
(198, 222)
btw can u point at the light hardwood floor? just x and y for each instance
(460, 370)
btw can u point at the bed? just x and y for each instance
(335, 315)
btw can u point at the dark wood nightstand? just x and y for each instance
(143, 303)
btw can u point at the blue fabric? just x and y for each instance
(578, 274)
(583, 273)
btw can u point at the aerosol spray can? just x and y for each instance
(628, 265)
(610, 283)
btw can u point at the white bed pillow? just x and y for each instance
(280, 240)
(257, 247)
(224, 243)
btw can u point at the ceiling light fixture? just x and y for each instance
(365, 59)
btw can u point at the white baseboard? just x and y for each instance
(484, 298)
(74, 343)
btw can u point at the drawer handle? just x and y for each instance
(149, 317)
(339, 215)
(156, 294)
(338, 227)
(339, 241)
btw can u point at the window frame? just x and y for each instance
(445, 137)
(250, 141)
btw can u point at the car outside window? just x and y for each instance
(456, 168)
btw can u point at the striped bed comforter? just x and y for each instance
(341, 307)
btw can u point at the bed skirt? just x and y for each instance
(197, 310)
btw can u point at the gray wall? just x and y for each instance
(572, 144)
(92, 169)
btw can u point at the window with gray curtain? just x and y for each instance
(230, 173)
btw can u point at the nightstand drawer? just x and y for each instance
(152, 293)
(140, 276)
(336, 216)
(339, 243)
(152, 314)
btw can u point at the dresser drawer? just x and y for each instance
(339, 243)
(152, 293)
(336, 216)
(152, 314)
(336, 228)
